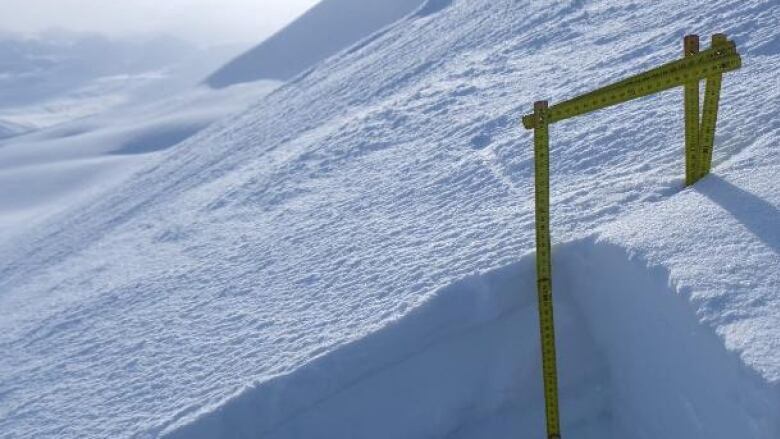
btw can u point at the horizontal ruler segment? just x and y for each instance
(710, 62)
(726, 48)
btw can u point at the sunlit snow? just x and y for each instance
(351, 255)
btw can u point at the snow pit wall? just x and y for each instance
(634, 361)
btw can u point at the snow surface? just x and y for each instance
(328, 27)
(352, 256)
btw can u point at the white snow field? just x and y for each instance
(52, 169)
(80, 112)
(352, 256)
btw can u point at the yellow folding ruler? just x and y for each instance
(544, 265)
(695, 65)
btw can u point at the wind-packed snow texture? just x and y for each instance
(325, 29)
(352, 256)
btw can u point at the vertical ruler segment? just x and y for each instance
(544, 267)
(691, 92)
(710, 111)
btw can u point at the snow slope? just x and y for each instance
(325, 29)
(52, 169)
(81, 112)
(352, 256)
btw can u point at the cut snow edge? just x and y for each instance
(634, 361)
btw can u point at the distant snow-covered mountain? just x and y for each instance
(37, 68)
(325, 29)
(10, 129)
(59, 76)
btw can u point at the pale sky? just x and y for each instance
(201, 21)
